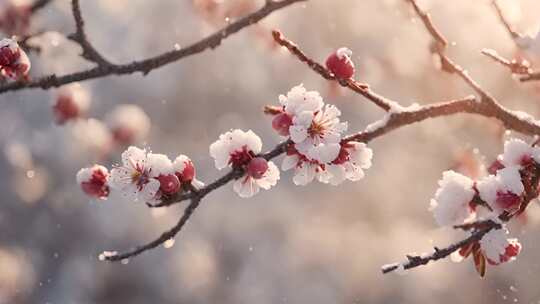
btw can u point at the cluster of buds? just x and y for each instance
(15, 18)
(71, 102)
(142, 176)
(318, 150)
(128, 123)
(513, 177)
(125, 125)
(14, 63)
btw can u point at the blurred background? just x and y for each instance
(313, 244)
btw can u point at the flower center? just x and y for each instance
(240, 158)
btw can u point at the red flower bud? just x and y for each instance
(340, 63)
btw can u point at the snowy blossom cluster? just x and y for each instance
(239, 150)
(14, 63)
(124, 125)
(142, 176)
(511, 178)
(317, 150)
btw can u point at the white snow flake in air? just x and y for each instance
(451, 205)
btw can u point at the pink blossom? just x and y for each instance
(238, 149)
(94, 181)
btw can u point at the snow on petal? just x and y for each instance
(450, 206)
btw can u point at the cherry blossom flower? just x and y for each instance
(494, 248)
(14, 62)
(352, 159)
(452, 202)
(502, 191)
(71, 102)
(340, 63)
(314, 128)
(185, 171)
(135, 178)
(497, 248)
(161, 168)
(305, 170)
(318, 134)
(238, 149)
(297, 100)
(128, 123)
(94, 181)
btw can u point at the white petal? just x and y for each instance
(289, 162)
(270, 177)
(304, 174)
(179, 163)
(253, 141)
(325, 153)
(159, 164)
(361, 155)
(511, 179)
(337, 174)
(298, 133)
(245, 187)
(134, 155)
(149, 191)
(220, 153)
(353, 172)
(120, 177)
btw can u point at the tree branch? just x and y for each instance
(39, 4)
(509, 28)
(146, 65)
(396, 117)
(490, 107)
(520, 67)
(196, 198)
(419, 260)
(352, 84)
(88, 51)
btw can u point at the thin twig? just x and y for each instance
(88, 51)
(39, 4)
(509, 28)
(196, 198)
(352, 84)
(437, 254)
(393, 120)
(146, 65)
(520, 67)
(489, 106)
